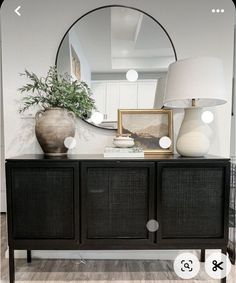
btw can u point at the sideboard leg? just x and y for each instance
(203, 255)
(29, 256)
(224, 251)
(11, 266)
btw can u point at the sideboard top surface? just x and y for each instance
(99, 157)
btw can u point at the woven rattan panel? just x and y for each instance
(192, 202)
(42, 202)
(117, 202)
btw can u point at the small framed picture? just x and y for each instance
(152, 130)
(75, 64)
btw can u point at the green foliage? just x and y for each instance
(57, 91)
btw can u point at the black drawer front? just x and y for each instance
(192, 202)
(117, 202)
(42, 202)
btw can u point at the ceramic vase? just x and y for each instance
(53, 126)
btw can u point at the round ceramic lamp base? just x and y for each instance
(194, 135)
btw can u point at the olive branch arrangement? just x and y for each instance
(57, 91)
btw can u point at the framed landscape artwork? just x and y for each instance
(147, 127)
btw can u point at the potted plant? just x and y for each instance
(61, 100)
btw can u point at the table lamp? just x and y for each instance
(192, 84)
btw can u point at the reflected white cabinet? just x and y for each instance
(113, 95)
(128, 95)
(99, 95)
(112, 101)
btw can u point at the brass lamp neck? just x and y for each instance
(193, 102)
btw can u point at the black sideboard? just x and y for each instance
(85, 202)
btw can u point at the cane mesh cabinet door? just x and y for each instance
(117, 202)
(193, 200)
(41, 199)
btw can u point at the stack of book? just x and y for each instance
(133, 152)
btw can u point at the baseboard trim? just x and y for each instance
(113, 254)
(123, 254)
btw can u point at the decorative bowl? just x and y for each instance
(123, 141)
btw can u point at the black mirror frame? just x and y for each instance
(110, 6)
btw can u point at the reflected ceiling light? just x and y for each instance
(207, 117)
(97, 118)
(132, 76)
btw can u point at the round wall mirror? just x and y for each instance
(123, 55)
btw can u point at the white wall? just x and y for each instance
(31, 41)
(2, 167)
(233, 117)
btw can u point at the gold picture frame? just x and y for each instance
(147, 126)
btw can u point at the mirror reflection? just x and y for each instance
(121, 53)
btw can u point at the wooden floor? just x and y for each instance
(99, 271)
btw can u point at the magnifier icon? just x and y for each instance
(186, 265)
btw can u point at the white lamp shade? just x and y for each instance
(200, 78)
(160, 92)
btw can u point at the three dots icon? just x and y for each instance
(217, 11)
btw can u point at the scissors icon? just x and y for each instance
(217, 265)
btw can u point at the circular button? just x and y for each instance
(152, 225)
(70, 142)
(217, 265)
(186, 265)
(165, 142)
